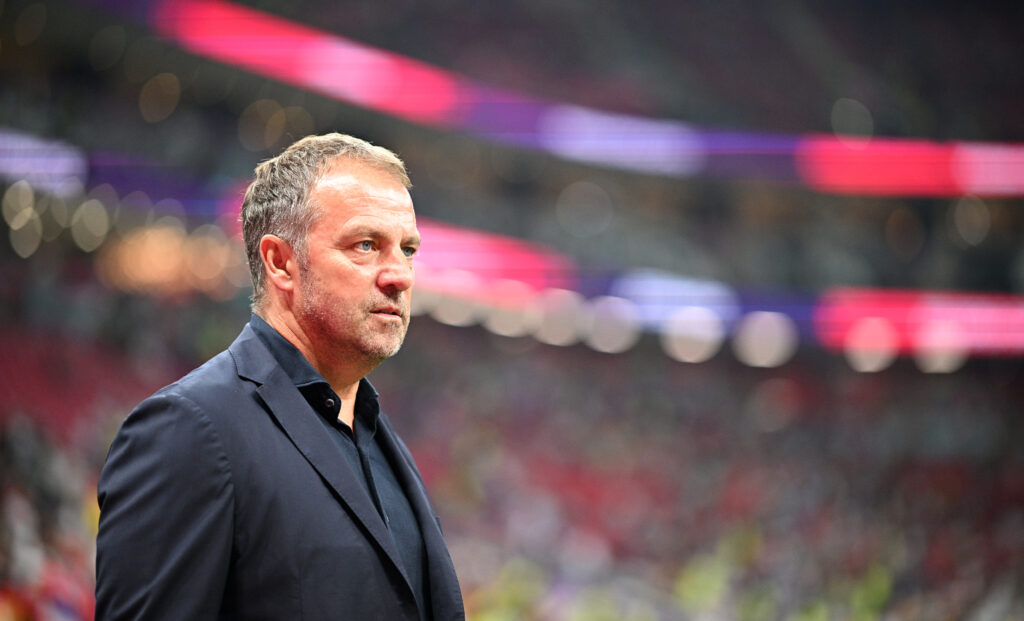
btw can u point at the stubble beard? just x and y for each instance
(350, 332)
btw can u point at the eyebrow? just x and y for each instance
(374, 233)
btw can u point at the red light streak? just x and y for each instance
(983, 323)
(310, 58)
(879, 167)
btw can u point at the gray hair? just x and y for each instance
(278, 201)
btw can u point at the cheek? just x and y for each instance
(343, 274)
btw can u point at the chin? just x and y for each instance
(382, 351)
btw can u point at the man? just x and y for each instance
(266, 484)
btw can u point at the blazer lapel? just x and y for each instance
(286, 405)
(446, 597)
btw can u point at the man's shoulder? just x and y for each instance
(209, 387)
(217, 372)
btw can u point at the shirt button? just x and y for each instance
(329, 403)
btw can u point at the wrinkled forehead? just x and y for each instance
(349, 167)
(346, 181)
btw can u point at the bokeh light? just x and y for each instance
(871, 344)
(159, 97)
(164, 260)
(512, 312)
(693, 334)
(612, 324)
(135, 210)
(765, 339)
(852, 122)
(207, 255)
(423, 300)
(560, 314)
(55, 216)
(90, 225)
(26, 233)
(18, 199)
(940, 347)
(971, 220)
(294, 121)
(455, 310)
(455, 304)
(261, 124)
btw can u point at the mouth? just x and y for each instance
(388, 311)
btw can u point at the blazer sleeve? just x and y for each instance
(166, 516)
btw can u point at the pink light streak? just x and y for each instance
(309, 58)
(415, 91)
(982, 323)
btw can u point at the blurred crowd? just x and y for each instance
(634, 488)
(573, 484)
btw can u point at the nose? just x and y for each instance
(396, 274)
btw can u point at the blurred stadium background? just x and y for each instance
(721, 303)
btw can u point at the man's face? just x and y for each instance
(354, 292)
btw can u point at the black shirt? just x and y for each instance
(361, 451)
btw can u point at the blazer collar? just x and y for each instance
(287, 406)
(442, 576)
(252, 360)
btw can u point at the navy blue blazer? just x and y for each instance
(223, 497)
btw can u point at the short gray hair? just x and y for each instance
(277, 201)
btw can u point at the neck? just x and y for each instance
(347, 413)
(343, 379)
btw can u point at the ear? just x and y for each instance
(279, 263)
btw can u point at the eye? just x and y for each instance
(409, 250)
(365, 245)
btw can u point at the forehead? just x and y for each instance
(349, 189)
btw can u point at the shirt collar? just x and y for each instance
(314, 388)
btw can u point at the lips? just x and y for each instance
(388, 310)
